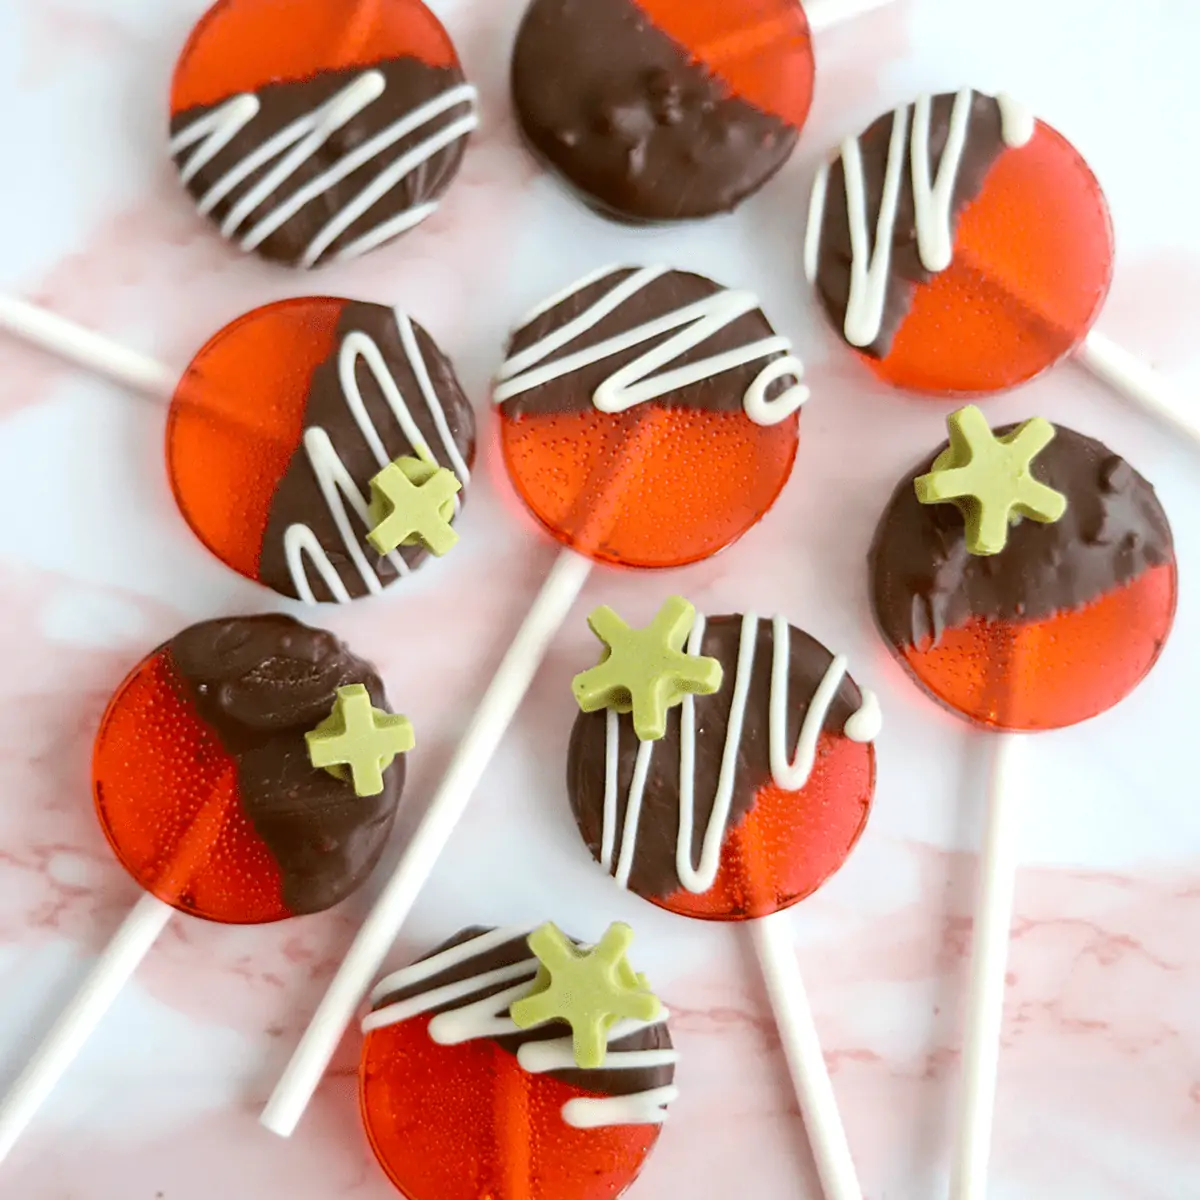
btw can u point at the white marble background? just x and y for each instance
(1100, 1075)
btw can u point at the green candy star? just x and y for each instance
(359, 740)
(591, 990)
(646, 671)
(412, 503)
(989, 479)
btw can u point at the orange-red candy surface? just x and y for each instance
(648, 416)
(1060, 625)
(481, 1118)
(974, 275)
(281, 421)
(203, 784)
(772, 805)
(328, 140)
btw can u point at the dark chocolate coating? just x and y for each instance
(410, 83)
(298, 498)
(600, 1081)
(984, 144)
(653, 874)
(641, 129)
(261, 683)
(923, 581)
(674, 290)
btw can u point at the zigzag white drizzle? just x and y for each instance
(488, 1018)
(645, 379)
(870, 262)
(296, 143)
(335, 481)
(790, 774)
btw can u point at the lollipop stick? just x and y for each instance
(806, 1062)
(86, 349)
(989, 960)
(112, 971)
(825, 14)
(374, 939)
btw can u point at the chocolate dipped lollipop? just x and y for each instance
(323, 142)
(962, 247)
(548, 1065)
(648, 418)
(723, 769)
(1026, 580)
(207, 786)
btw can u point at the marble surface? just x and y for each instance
(1100, 1075)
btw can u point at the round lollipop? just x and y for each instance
(320, 446)
(312, 131)
(962, 247)
(517, 1065)
(648, 418)
(1026, 580)
(724, 769)
(245, 772)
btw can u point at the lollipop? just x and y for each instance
(1025, 579)
(245, 772)
(547, 1063)
(962, 247)
(665, 110)
(724, 769)
(282, 437)
(312, 131)
(648, 418)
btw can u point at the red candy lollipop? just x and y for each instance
(461, 1101)
(959, 245)
(246, 771)
(281, 425)
(316, 130)
(648, 415)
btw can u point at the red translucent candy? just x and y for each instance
(761, 49)
(238, 417)
(167, 796)
(1053, 673)
(240, 45)
(467, 1123)
(1033, 258)
(650, 487)
(789, 843)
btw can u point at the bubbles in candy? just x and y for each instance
(661, 110)
(282, 420)
(648, 416)
(203, 782)
(325, 141)
(459, 1103)
(756, 794)
(959, 245)
(1059, 625)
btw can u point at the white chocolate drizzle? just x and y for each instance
(286, 151)
(337, 484)
(788, 773)
(489, 1018)
(933, 201)
(650, 376)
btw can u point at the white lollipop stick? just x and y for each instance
(92, 351)
(825, 14)
(989, 963)
(1138, 381)
(121, 957)
(805, 1059)
(374, 939)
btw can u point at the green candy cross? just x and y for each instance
(990, 480)
(591, 990)
(646, 671)
(359, 739)
(412, 503)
